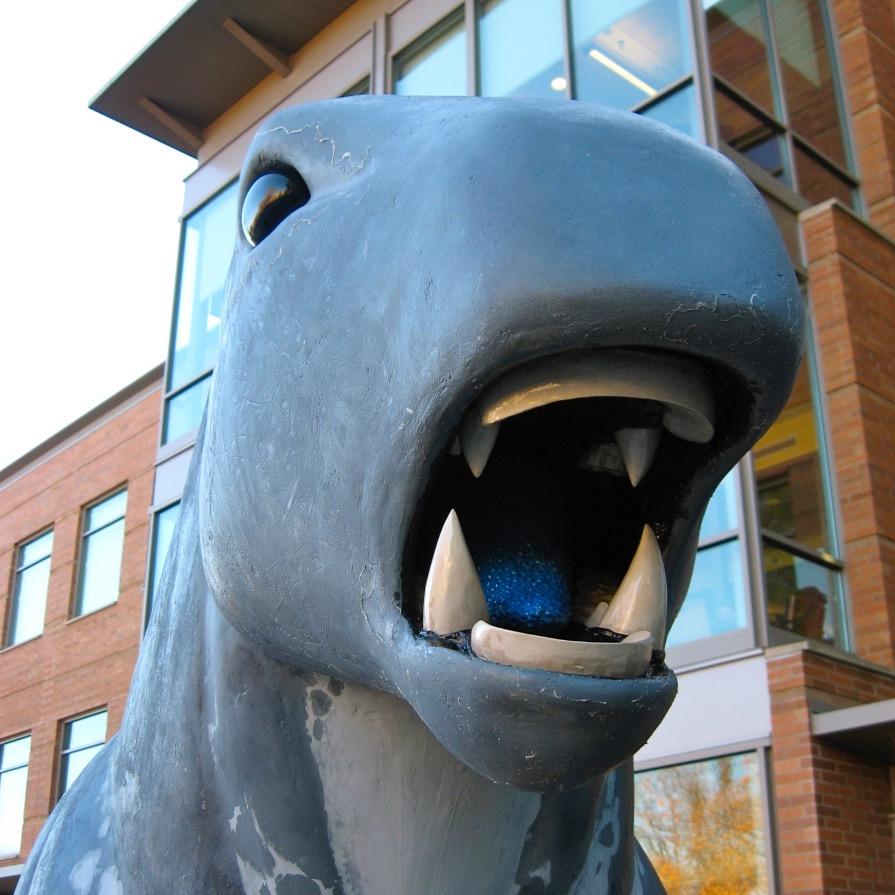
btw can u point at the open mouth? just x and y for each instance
(539, 541)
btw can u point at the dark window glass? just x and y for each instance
(627, 51)
(82, 739)
(361, 88)
(162, 532)
(435, 65)
(101, 544)
(701, 825)
(804, 597)
(716, 600)
(208, 236)
(14, 757)
(751, 135)
(183, 411)
(788, 472)
(29, 594)
(738, 49)
(817, 182)
(677, 111)
(806, 70)
(521, 48)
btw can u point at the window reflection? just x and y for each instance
(163, 526)
(701, 825)
(521, 48)
(817, 182)
(716, 601)
(721, 514)
(436, 64)
(626, 51)
(207, 246)
(183, 411)
(755, 137)
(803, 596)
(29, 596)
(806, 71)
(82, 739)
(677, 111)
(788, 471)
(14, 757)
(101, 547)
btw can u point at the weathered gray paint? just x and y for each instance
(287, 731)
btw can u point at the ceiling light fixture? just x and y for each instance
(615, 68)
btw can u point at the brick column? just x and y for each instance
(851, 279)
(833, 808)
(866, 34)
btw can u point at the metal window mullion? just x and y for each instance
(752, 107)
(810, 554)
(824, 160)
(32, 564)
(779, 90)
(105, 525)
(471, 21)
(17, 767)
(752, 549)
(766, 784)
(568, 48)
(702, 74)
(174, 392)
(723, 537)
(670, 90)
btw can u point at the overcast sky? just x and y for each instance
(90, 221)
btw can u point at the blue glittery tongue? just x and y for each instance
(518, 538)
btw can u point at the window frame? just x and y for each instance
(58, 791)
(152, 558)
(83, 535)
(17, 570)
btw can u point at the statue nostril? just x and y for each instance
(270, 200)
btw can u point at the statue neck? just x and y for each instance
(346, 786)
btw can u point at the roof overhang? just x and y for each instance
(212, 54)
(868, 729)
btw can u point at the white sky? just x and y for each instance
(89, 226)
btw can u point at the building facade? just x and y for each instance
(792, 605)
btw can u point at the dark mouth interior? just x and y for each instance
(553, 522)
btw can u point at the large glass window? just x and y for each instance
(29, 593)
(627, 51)
(434, 65)
(716, 601)
(14, 756)
(802, 574)
(701, 824)
(521, 48)
(82, 739)
(163, 525)
(776, 96)
(102, 540)
(206, 247)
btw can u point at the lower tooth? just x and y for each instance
(627, 659)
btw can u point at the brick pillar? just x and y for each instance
(866, 33)
(833, 808)
(851, 280)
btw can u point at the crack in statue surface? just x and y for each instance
(291, 727)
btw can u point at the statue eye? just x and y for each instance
(270, 200)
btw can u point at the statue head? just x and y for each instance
(415, 276)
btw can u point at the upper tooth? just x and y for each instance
(454, 600)
(477, 440)
(627, 659)
(641, 601)
(677, 384)
(638, 448)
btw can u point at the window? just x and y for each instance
(521, 48)
(702, 825)
(82, 738)
(803, 579)
(776, 95)
(14, 755)
(102, 540)
(206, 247)
(29, 594)
(163, 524)
(434, 65)
(717, 600)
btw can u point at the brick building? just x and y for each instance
(792, 604)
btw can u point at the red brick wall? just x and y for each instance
(84, 663)
(866, 32)
(832, 808)
(852, 289)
